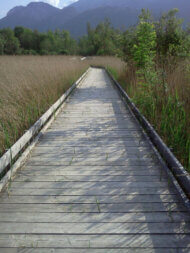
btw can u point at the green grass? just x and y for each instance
(168, 110)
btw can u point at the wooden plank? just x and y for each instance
(91, 127)
(82, 128)
(92, 138)
(95, 250)
(97, 121)
(151, 168)
(88, 171)
(95, 208)
(111, 151)
(102, 241)
(90, 153)
(111, 250)
(90, 178)
(63, 117)
(89, 191)
(93, 155)
(91, 134)
(95, 142)
(119, 160)
(94, 217)
(83, 162)
(94, 104)
(93, 111)
(12, 199)
(113, 103)
(95, 228)
(93, 150)
(80, 107)
(85, 185)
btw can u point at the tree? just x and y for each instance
(144, 50)
(84, 46)
(2, 44)
(127, 44)
(169, 34)
(69, 45)
(18, 31)
(27, 40)
(103, 40)
(11, 43)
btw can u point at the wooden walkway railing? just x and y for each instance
(93, 183)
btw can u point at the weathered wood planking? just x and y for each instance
(91, 250)
(93, 184)
(97, 228)
(93, 191)
(94, 217)
(101, 243)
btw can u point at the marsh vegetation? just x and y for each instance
(29, 85)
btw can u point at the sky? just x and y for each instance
(6, 5)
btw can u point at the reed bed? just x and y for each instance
(166, 105)
(29, 85)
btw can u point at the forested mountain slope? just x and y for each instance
(121, 13)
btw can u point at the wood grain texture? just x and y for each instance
(93, 184)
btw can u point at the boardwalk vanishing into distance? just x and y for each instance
(93, 184)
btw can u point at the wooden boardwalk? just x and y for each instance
(93, 184)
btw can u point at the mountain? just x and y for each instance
(154, 5)
(30, 16)
(121, 13)
(119, 17)
(58, 20)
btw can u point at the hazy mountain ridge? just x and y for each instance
(155, 5)
(30, 16)
(95, 16)
(122, 13)
(15, 10)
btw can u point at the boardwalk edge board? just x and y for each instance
(175, 170)
(25, 144)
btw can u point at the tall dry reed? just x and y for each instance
(29, 85)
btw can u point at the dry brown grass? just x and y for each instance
(29, 85)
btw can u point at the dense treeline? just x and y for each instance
(25, 41)
(102, 40)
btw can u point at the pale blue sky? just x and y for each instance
(6, 5)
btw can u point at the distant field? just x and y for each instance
(29, 85)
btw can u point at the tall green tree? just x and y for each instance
(27, 39)
(144, 50)
(102, 40)
(169, 34)
(127, 44)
